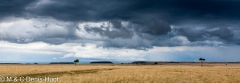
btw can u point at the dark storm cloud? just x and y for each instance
(152, 26)
(83, 10)
(192, 35)
(172, 11)
(148, 19)
(116, 24)
(223, 33)
(13, 7)
(118, 32)
(169, 10)
(145, 28)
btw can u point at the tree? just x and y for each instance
(201, 59)
(76, 61)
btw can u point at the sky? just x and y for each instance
(119, 30)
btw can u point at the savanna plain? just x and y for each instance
(126, 73)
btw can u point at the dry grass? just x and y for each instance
(188, 73)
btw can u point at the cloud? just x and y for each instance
(167, 30)
(13, 8)
(121, 24)
(179, 41)
(104, 34)
(173, 11)
(223, 33)
(32, 30)
(191, 34)
(110, 29)
(152, 26)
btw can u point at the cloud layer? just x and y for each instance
(137, 25)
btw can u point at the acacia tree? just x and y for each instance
(201, 59)
(76, 61)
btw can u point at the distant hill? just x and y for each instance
(62, 63)
(101, 62)
(10, 63)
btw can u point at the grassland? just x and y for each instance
(164, 73)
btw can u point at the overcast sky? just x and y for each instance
(119, 30)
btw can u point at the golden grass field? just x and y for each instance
(176, 73)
